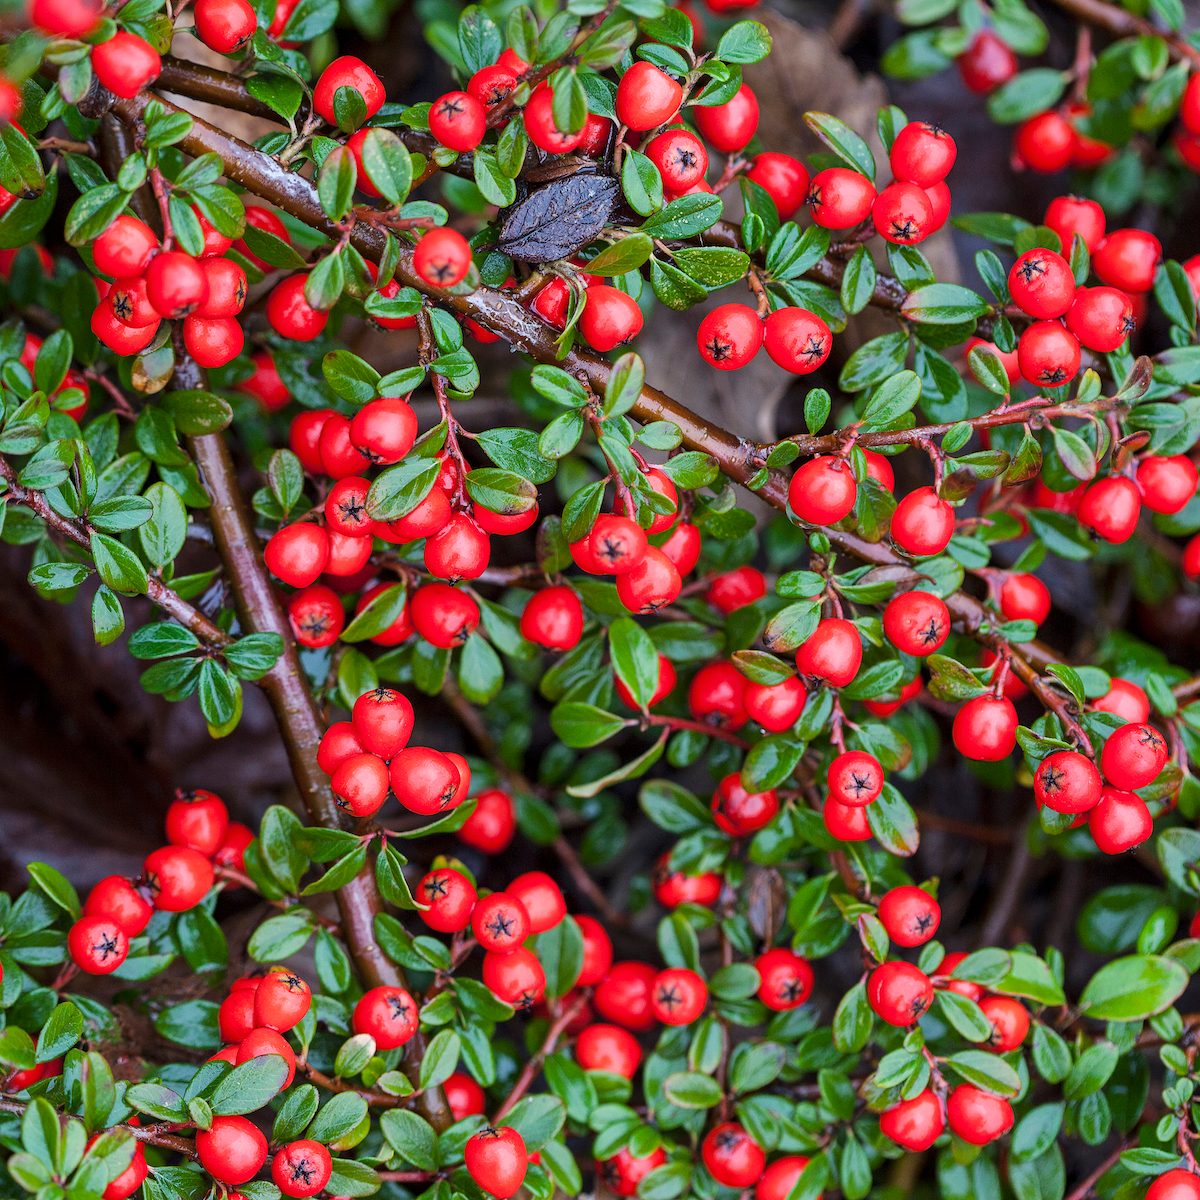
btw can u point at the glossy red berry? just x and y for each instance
(923, 523)
(126, 64)
(497, 1160)
(902, 214)
(732, 1157)
(679, 996)
(1071, 215)
(1067, 782)
(910, 915)
(301, 1168)
(775, 706)
(97, 945)
(985, 64)
(739, 812)
(213, 341)
(1009, 1020)
(450, 898)
(652, 584)
(443, 615)
(425, 780)
(197, 819)
(647, 97)
(922, 153)
(177, 877)
(730, 336)
(597, 946)
(384, 430)
(977, 1116)
(442, 257)
(266, 385)
(916, 623)
(1024, 598)
(1133, 756)
(1119, 822)
(682, 546)
(360, 784)
(1110, 508)
(885, 708)
(617, 543)
(291, 315)
(262, 1042)
(716, 695)
(232, 850)
(225, 25)
(985, 728)
(553, 618)
(1167, 484)
(785, 979)
(839, 198)
(464, 1096)
(348, 72)
(854, 778)
(114, 897)
(797, 340)
(125, 248)
(784, 178)
(624, 995)
(388, 1014)
(735, 589)
(281, 1001)
(175, 284)
(728, 127)
(1176, 1184)
(65, 18)
(1127, 259)
(1042, 283)
(823, 490)
(680, 157)
(500, 922)
(491, 826)
(541, 897)
(460, 550)
(673, 888)
(610, 317)
(1044, 143)
(899, 993)
(1124, 699)
(516, 977)
(608, 1048)
(231, 1150)
(1101, 318)
(491, 85)
(914, 1124)
(458, 120)
(622, 1173)
(383, 721)
(833, 652)
(542, 127)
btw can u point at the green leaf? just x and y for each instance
(1133, 988)
(250, 1085)
(843, 141)
(942, 304)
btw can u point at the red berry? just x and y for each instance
(823, 490)
(491, 826)
(683, 546)
(680, 157)
(388, 1014)
(985, 64)
(1133, 756)
(914, 1124)
(235, 1017)
(735, 589)
(776, 706)
(384, 430)
(281, 1001)
(923, 523)
(348, 72)
(728, 127)
(346, 507)
(1101, 318)
(232, 850)
(500, 922)
(797, 340)
(1119, 822)
(129, 304)
(291, 315)
(430, 515)
(1127, 259)
(963, 987)
(1048, 354)
(622, 1173)
(115, 898)
(899, 993)
(916, 623)
(1176, 1184)
(224, 25)
(716, 695)
(1044, 143)
(297, 554)
(360, 784)
(730, 336)
(855, 778)
(922, 154)
(785, 979)
(175, 284)
(679, 996)
(597, 945)
(213, 341)
(177, 877)
(624, 995)
(840, 198)
(197, 819)
(1009, 1020)
(65, 18)
(301, 1168)
(266, 385)
(497, 1160)
(347, 556)
(442, 257)
(938, 195)
(902, 214)
(125, 248)
(458, 120)
(450, 897)
(784, 178)
(464, 1095)
(910, 915)
(608, 1048)
(515, 977)
(226, 283)
(126, 64)
(662, 484)
(1124, 699)
(885, 708)
(231, 1150)
(1071, 215)
(460, 550)
(617, 543)
(1167, 484)
(833, 652)
(553, 618)
(609, 317)
(1041, 283)
(1024, 598)
(425, 780)
(733, 1158)
(976, 1116)
(647, 97)
(1110, 508)
(542, 128)
(985, 729)
(491, 85)
(739, 812)
(261, 1042)
(97, 945)
(125, 340)
(304, 438)
(673, 888)
(1067, 782)
(444, 616)
(652, 584)
(542, 898)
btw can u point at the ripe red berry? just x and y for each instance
(717, 694)
(1044, 143)
(516, 977)
(388, 1014)
(785, 979)
(914, 1124)
(1167, 484)
(682, 547)
(258, 217)
(235, 1017)
(491, 826)
(922, 523)
(500, 922)
(360, 784)
(297, 554)
(225, 25)
(232, 850)
(444, 616)
(261, 1042)
(175, 284)
(1041, 283)
(985, 728)
(624, 995)
(553, 618)
(497, 1160)
(797, 340)
(450, 897)
(739, 812)
(730, 336)
(1110, 508)
(1009, 1020)
(197, 819)
(597, 945)
(680, 157)
(442, 257)
(910, 915)
(679, 996)
(839, 198)
(213, 341)
(226, 283)
(1024, 598)
(424, 780)
(177, 877)
(291, 315)
(460, 550)
(65, 18)
(855, 778)
(231, 1150)
(775, 706)
(384, 430)
(1176, 1184)
(735, 589)
(732, 1157)
(1133, 756)
(543, 129)
(652, 584)
(608, 1048)
(125, 248)
(541, 897)
(622, 1173)
(1067, 782)
(1119, 822)
(126, 64)
(647, 97)
(1124, 699)
(609, 317)
(267, 386)
(1101, 318)
(729, 127)
(1048, 354)
(902, 214)
(301, 1168)
(985, 64)
(833, 652)
(97, 945)
(114, 897)
(784, 178)
(617, 543)
(458, 120)
(922, 154)
(465, 1097)
(1071, 215)
(129, 304)
(823, 490)
(899, 993)
(281, 1001)
(673, 888)
(348, 72)
(916, 623)
(977, 1116)
(491, 85)
(1127, 259)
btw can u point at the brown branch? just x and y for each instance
(1123, 24)
(153, 1135)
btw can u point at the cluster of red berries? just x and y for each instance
(174, 878)
(151, 284)
(1051, 141)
